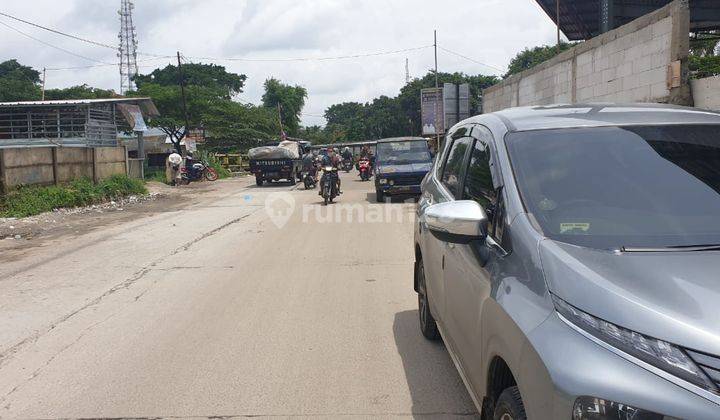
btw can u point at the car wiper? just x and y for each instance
(675, 248)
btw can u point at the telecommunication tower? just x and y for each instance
(128, 47)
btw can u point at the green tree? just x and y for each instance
(529, 58)
(291, 100)
(346, 122)
(235, 127)
(79, 92)
(206, 85)
(209, 76)
(315, 134)
(384, 118)
(18, 82)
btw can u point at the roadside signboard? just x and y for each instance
(456, 101)
(431, 107)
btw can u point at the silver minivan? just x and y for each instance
(569, 257)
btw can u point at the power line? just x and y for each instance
(339, 57)
(105, 65)
(470, 59)
(75, 37)
(53, 46)
(288, 59)
(78, 38)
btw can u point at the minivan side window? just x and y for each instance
(479, 183)
(452, 170)
(479, 186)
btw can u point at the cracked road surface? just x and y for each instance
(211, 310)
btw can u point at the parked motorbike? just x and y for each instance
(196, 172)
(347, 165)
(365, 169)
(329, 185)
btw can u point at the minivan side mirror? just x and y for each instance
(458, 222)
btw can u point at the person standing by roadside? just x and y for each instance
(172, 168)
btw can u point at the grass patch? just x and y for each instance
(157, 175)
(32, 200)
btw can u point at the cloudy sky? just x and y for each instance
(487, 31)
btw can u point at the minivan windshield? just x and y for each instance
(403, 152)
(622, 187)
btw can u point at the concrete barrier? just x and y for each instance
(57, 165)
(642, 61)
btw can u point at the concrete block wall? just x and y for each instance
(72, 163)
(56, 165)
(706, 93)
(629, 64)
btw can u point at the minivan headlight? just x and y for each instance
(589, 408)
(658, 353)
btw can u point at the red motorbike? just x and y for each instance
(365, 169)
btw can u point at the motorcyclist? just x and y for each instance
(308, 162)
(367, 153)
(331, 159)
(346, 153)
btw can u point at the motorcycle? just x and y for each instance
(365, 169)
(309, 179)
(196, 172)
(347, 165)
(329, 184)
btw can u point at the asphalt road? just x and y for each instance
(225, 307)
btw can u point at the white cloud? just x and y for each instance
(490, 31)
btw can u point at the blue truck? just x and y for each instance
(400, 166)
(274, 163)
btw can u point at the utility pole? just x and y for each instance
(557, 20)
(43, 84)
(283, 136)
(436, 68)
(181, 81)
(407, 71)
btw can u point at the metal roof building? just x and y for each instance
(79, 123)
(584, 19)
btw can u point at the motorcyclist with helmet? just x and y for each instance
(330, 159)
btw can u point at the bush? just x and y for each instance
(214, 163)
(156, 175)
(120, 186)
(701, 67)
(31, 200)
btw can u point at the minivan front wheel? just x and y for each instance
(428, 326)
(510, 406)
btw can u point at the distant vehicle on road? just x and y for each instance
(569, 258)
(329, 184)
(365, 169)
(400, 165)
(273, 163)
